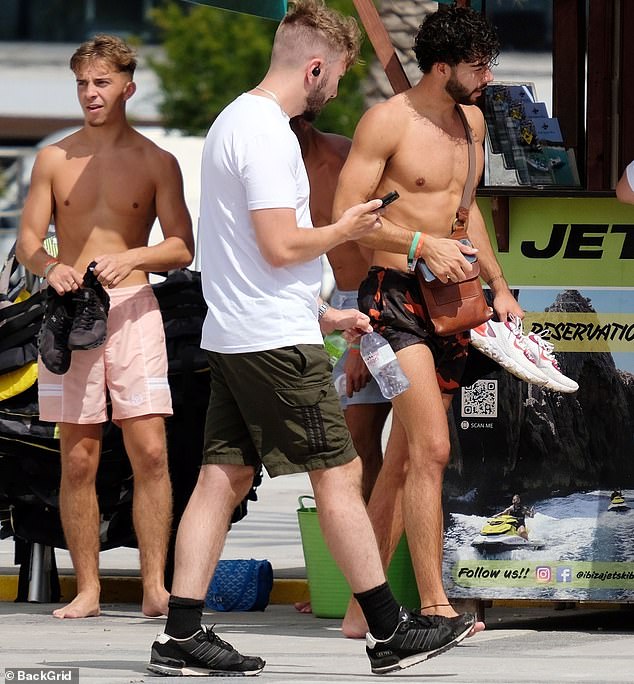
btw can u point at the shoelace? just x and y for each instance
(426, 621)
(87, 311)
(547, 347)
(213, 638)
(515, 324)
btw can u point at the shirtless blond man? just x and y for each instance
(415, 143)
(104, 186)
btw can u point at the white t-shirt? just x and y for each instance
(252, 160)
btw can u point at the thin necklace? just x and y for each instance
(271, 94)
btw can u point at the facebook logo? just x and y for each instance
(564, 574)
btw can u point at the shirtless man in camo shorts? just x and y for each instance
(415, 143)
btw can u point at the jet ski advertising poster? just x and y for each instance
(539, 494)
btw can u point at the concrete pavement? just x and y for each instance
(524, 642)
(113, 648)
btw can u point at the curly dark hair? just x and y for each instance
(453, 35)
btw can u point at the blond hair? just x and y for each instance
(111, 49)
(310, 26)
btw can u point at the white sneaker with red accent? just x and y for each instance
(542, 350)
(503, 342)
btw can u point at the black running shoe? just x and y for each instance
(203, 654)
(416, 638)
(52, 340)
(91, 314)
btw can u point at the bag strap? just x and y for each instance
(463, 210)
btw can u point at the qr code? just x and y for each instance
(480, 400)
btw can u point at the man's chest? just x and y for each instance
(94, 185)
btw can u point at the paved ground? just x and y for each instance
(300, 649)
(523, 642)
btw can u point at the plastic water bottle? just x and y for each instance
(341, 384)
(381, 361)
(335, 346)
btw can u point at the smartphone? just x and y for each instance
(469, 257)
(427, 274)
(389, 198)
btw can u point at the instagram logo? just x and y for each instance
(543, 573)
(564, 574)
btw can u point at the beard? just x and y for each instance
(315, 101)
(459, 93)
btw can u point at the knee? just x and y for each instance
(80, 468)
(368, 448)
(433, 455)
(229, 483)
(150, 462)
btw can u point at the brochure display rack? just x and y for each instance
(525, 146)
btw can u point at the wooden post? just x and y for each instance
(568, 94)
(382, 44)
(599, 122)
(626, 87)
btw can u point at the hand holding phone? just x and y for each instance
(389, 198)
(427, 273)
(471, 258)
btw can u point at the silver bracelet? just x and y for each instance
(322, 310)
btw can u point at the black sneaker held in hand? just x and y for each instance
(415, 639)
(202, 654)
(91, 314)
(52, 340)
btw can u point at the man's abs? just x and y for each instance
(390, 259)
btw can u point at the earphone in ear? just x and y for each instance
(316, 71)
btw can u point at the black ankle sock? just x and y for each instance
(184, 617)
(380, 609)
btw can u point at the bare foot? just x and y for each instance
(478, 627)
(354, 625)
(303, 607)
(85, 604)
(155, 603)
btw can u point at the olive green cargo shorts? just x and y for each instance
(278, 408)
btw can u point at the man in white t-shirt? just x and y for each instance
(272, 399)
(625, 186)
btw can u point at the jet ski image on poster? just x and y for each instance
(617, 502)
(500, 534)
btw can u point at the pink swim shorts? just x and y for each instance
(129, 369)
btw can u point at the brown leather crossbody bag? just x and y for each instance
(452, 308)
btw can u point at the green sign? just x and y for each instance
(567, 242)
(269, 9)
(544, 574)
